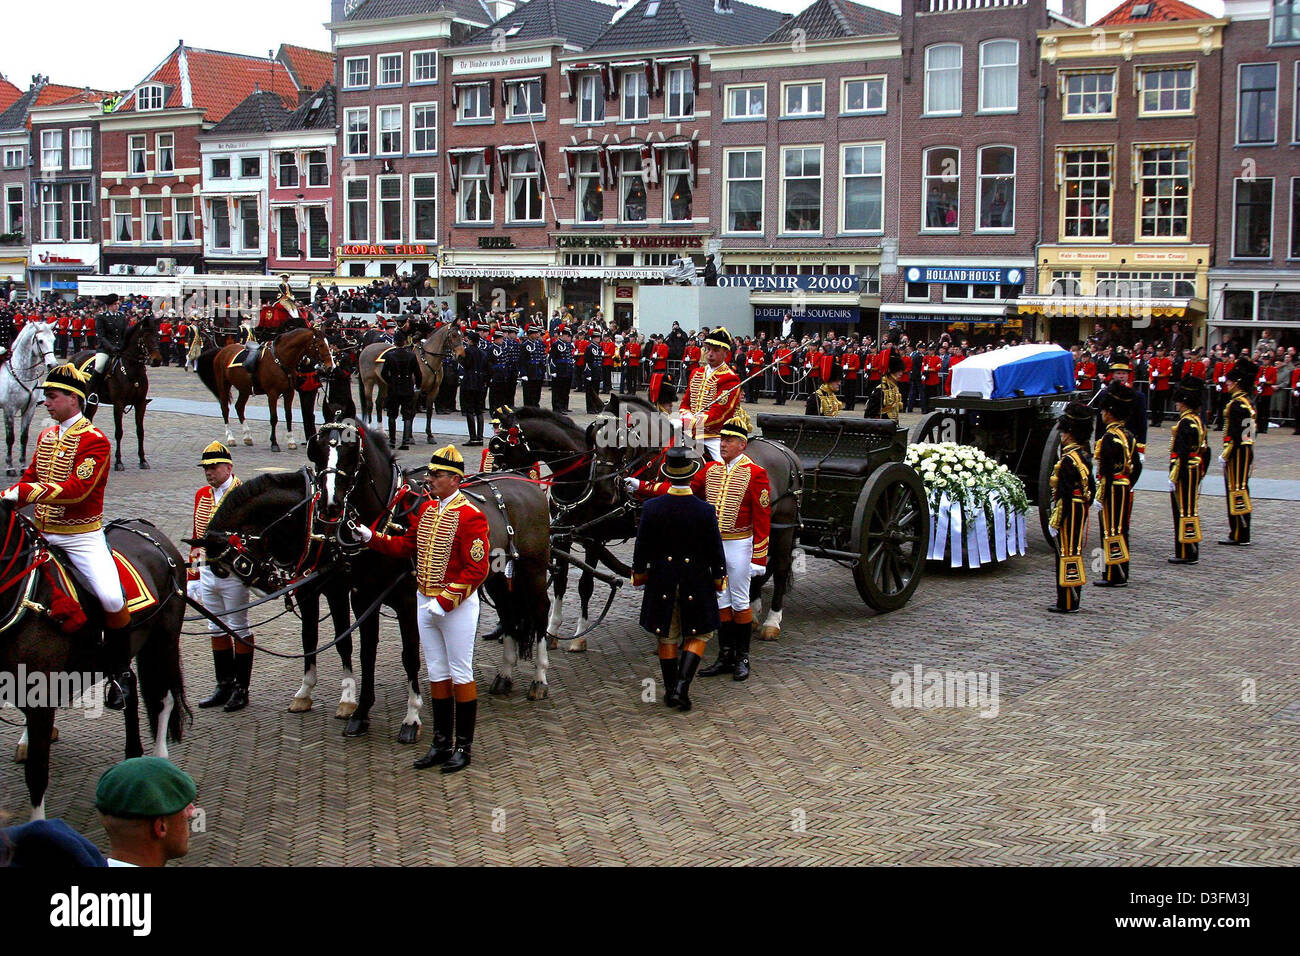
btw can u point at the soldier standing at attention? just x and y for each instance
(532, 366)
(561, 369)
(1189, 460)
(401, 375)
(473, 385)
(1072, 493)
(1118, 469)
(886, 401)
(591, 376)
(1239, 448)
(680, 565)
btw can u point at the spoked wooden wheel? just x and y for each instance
(1051, 452)
(891, 525)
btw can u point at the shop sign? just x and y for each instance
(623, 292)
(497, 63)
(965, 275)
(1083, 255)
(630, 242)
(780, 313)
(375, 252)
(495, 242)
(808, 283)
(1159, 255)
(48, 258)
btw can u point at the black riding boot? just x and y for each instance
(225, 667)
(726, 662)
(668, 667)
(687, 665)
(443, 715)
(466, 712)
(740, 636)
(406, 435)
(117, 660)
(392, 432)
(243, 676)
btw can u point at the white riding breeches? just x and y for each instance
(219, 596)
(713, 446)
(739, 555)
(101, 362)
(89, 553)
(448, 640)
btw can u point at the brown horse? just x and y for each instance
(446, 341)
(274, 376)
(126, 383)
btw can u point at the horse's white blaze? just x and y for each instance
(349, 685)
(413, 704)
(556, 620)
(509, 656)
(308, 684)
(331, 466)
(38, 811)
(160, 731)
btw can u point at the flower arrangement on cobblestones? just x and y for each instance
(977, 505)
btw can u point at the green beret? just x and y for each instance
(144, 788)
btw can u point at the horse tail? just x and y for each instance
(207, 368)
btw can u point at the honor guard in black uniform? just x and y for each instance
(1073, 489)
(473, 385)
(1239, 449)
(680, 564)
(514, 352)
(401, 373)
(1118, 470)
(1189, 460)
(501, 372)
(561, 369)
(1122, 372)
(111, 327)
(592, 376)
(532, 366)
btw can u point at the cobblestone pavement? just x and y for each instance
(1160, 725)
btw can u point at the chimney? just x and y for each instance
(1076, 10)
(305, 94)
(336, 10)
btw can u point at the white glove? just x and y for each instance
(1223, 458)
(1052, 531)
(194, 590)
(1142, 457)
(10, 495)
(1172, 487)
(757, 570)
(364, 533)
(632, 485)
(436, 607)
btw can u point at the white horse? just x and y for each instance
(29, 358)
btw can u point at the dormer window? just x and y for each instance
(150, 97)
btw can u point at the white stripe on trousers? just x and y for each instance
(219, 595)
(89, 553)
(448, 641)
(740, 553)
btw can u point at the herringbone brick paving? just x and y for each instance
(1122, 735)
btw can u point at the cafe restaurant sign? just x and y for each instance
(630, 242)
(376, 252)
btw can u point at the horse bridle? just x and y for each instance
(336, 528)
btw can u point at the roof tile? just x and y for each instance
(662, 24)
(1161, 11)
(837, 19)
(310, 69)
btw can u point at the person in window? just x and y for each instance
(680, 203)
(634, 207)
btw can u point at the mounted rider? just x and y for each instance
(66, 482)
(286, 300)
(111, 326)
(712, 394)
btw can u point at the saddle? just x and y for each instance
(77, 590)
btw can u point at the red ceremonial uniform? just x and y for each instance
(931, 365)
(66, 479)
(580, 352)
(756, 359)
(64, 322)
(1221, 370)
(632, 351)
(713, 397)
(784, 355)
(1085, 376)
(1195, 367)
(204, 506)
(692, 354)
(1161, 370)
(660, 355)
(742, 497)
(852, 364)
(610, 350)
(165, 332)
(450, 547)
(1267, 381)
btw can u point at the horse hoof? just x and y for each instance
(538, 691)
(20, 753)
(144, 464)
(300, 705)
(293, 445)
(275, 447)
(501, 686)
(428, 438)
(769, 633)
(552, 642)
(409, 733)
(357, 727)
(12, 472)
(578, 645)
(248, 441)
(119, 467)
(345, 709)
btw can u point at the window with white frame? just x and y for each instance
(287, 231)
(356, 72)
(864, 94)
(183, 218)
(868, 279)
(137, 164)
(1286, 21)
(999, 76)
(1165, 192)
(591, 98)
(14, 207)
(1088, 94)
(744, 190)
(525, 99)
(635, 95)
(250, 167)
(390, 69)
(153, 220)
(1257, 103)
(474, 195)
(1166, 89)
(52, 149)
(942, 174)
(220, 167)
(165, 146)
(590, 199)
(390, 130)
(318, 168)
(390, 208)
(1067, 282)
(149, 98)
(424, 127)
(803, 99)
(80, 148)
(51, 213)
(358, 209)
(676, 176)
(632, 189)
(943, 79)
(801, 189)
(80, 209)
(595, 259)
(746, 102)
(997, 188)
(219, 223)
(318, 233)
(424, 208)
(1293, 252)
(287, 169)
(1087, 180)
(863, 187)
(122, 220)
(1147, 285)
(15, 157)
(1252, 221)
(357, 125)
(525, 187)
(475, 101)
(424, 66)
(679, 86)
(250, 228)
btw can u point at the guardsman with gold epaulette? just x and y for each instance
(449, 540)
(885, 400)
(224, 595)
(1189, 460)
(1119, 466)
(712, 394)
(1073, 489)
(1239, 449)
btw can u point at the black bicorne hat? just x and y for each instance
(1078, 421)
(1118, 399)
(1191, 391)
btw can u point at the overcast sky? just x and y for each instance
(112, 46)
